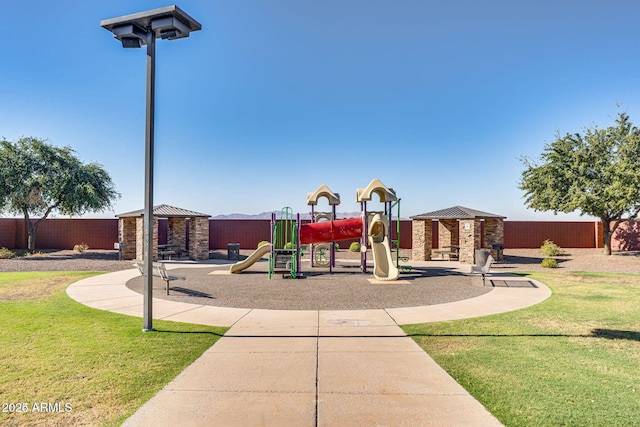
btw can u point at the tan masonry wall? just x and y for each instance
(421, 240)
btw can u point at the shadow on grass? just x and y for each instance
(611, 334)
(596, 333)
(160, 331)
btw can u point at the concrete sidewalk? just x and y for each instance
(309, 368)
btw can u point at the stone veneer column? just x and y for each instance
(493, 234)
(421, 240)
(177, 232)
(140, 238)
(127, 236)
(447, 233)
(199, 238)
(469, 239)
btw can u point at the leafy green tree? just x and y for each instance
(597, 174)
(37, 178)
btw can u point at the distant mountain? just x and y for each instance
(267, 215)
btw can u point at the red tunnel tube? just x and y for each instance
(331, 231)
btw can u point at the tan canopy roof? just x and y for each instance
(457, 212)
(165, 211)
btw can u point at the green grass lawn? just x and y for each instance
(573, 360)
(90, 367)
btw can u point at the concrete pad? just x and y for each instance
(164, 308)
(360, 331)
(134, 310)
(499, 300)
(367, 344)
(161, 308)
(422, 314)
(278, 318)
(355, 318)
(401, 373)
(250, 372)
(284, 331)
(252, 344)
(96, 293)
(210, 315)
(115, 303)
(427, 410)
(237, 409)
(114, 278)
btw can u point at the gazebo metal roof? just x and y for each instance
(457, 212)
(165, 211)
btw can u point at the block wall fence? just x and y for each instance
(103, 233)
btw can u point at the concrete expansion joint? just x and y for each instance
(195, 307)
(240, 318)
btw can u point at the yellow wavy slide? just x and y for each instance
(251, 259)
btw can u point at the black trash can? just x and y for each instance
(233, 251)
(499, 250)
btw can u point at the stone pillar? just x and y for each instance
(493, 234)
(421, 240)
(469, 239)
(199, 238)
(127, 236)
(447, 233)
(140, 238)
(177, 232)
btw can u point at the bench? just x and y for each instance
(483, 270)
(159, 270)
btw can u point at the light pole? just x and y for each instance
(134, 31)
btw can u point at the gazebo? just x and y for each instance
(130, 226)
(459, 227)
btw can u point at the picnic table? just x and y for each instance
(167, 251)
(451, 251)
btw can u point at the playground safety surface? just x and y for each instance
(346, 288)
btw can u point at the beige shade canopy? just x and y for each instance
(323, 191)
(376, 186)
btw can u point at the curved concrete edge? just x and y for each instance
(498, 300)
(109, 292)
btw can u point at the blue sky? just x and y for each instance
(437, 99)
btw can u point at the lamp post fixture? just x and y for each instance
(135, 31)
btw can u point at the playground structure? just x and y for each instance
(372, 229)
(319, 251)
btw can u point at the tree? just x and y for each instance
(37, 178)
(597, 174)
